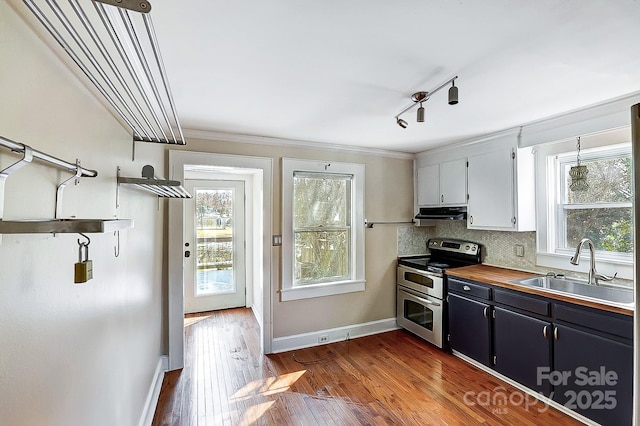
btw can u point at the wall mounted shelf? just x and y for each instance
(57, 225)
(28, 155)
(160, 187)
(64, 226)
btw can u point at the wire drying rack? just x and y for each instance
(117, 50)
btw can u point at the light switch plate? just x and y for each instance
(277, 240)
(519, 250)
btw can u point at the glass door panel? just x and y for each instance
(214, 241)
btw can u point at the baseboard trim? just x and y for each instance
(151, 402)
(307, 340)
(524, 389)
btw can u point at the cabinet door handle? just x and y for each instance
(555, 333)
(486, 309)
(471, 220)
(442, 198)
(544, 331)
(466, 288)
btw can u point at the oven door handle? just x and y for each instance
(428, 302)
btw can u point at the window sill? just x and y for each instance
(320, 290)
(603, 265)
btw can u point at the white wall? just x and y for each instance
(73, 354)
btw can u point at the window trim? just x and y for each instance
(357, 280)
(548, 194)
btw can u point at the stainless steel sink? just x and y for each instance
(579, 288)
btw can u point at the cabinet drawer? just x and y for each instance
(525, 303)
(465, 287)
(613, 324)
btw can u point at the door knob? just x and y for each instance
(187, 253)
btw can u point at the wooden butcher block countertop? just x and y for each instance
(501, 277)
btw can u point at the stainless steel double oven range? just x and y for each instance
(421, 281)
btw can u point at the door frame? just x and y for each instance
(263, 313)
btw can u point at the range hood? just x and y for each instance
(427, 215)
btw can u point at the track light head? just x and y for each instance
(453, 94)
(422, 96)
(420, 114)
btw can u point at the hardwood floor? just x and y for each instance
(390, 378)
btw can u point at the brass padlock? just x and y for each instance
(84, 267)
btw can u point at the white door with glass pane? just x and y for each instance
(214, 220)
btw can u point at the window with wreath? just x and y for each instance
(323, 249)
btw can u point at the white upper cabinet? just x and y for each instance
(429, 185)
(501, 190)
(443, 184)
(453, 183)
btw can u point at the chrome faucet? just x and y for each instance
(594, 275)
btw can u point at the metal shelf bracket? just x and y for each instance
(148, 182)
(60, 190)
(27, 157)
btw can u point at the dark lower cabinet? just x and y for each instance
(593, 375)
(522, 348)
(470, 328)
(580, 357)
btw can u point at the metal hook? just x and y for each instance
(84, 244)
(116, 249)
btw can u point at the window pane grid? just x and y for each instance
(321, 256)
(321, 200)
(321, 227)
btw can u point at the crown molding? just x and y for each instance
(265, 140)
(489, 137)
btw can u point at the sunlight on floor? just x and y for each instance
(193, 320)
(268, 386)
(254, 412)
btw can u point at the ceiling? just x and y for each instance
(339, 72)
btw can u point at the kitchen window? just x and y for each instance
(602, 212)
(323, 221)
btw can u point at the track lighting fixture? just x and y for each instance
(453, 94)
(420, 97)
(420, 114)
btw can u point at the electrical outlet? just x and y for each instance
(519, 250)
(323, 339)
